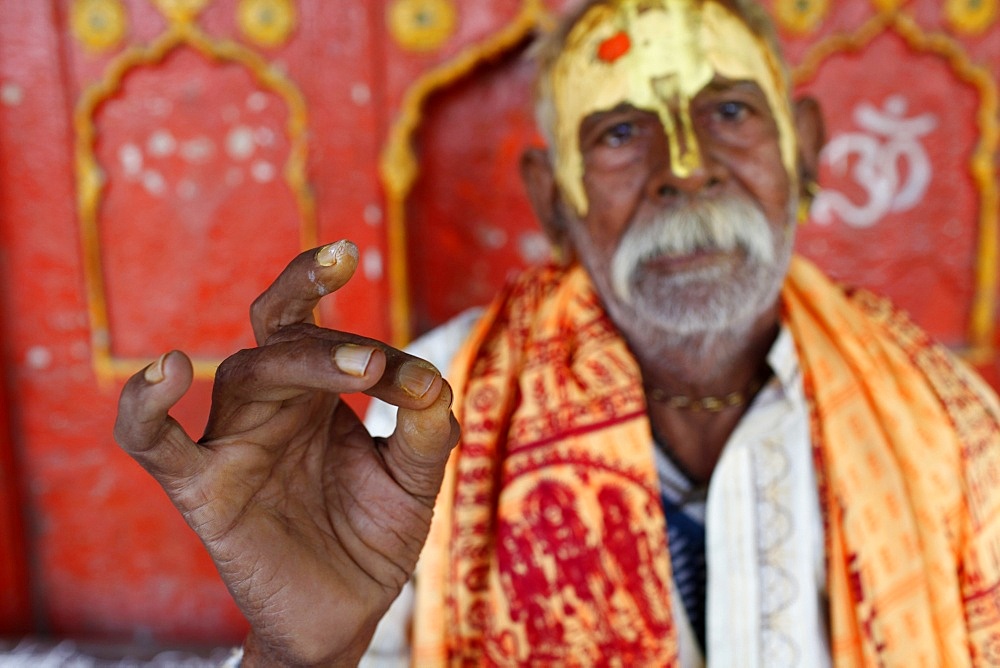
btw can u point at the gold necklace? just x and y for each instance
(707, 404)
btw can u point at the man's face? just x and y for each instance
(682, 208)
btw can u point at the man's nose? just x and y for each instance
(680, 165)
(666, 184)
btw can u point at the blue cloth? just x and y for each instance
(686, 541)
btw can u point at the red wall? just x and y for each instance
(196, 214)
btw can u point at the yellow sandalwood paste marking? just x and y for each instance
(657, 55)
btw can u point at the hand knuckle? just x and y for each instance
(289, 333)
(234, 368)
(258, 308)
(120, 433)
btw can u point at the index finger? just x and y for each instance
(291, 298)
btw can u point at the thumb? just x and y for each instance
(419, 448)
(144, 428)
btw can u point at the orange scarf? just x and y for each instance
(549, 542)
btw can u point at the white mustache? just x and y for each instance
(719, 224)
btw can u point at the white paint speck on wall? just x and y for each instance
(240, 143)
(161, 143)
(371, 264)
(11, 94)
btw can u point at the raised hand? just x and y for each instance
(314, 525)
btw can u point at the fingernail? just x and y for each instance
(331, 254)
(154, 372)
(353, 359)
(416, 378)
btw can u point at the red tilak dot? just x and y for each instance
(614, 47)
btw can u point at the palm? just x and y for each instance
(319, 526)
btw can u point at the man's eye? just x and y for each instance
(732, 111)
(618, 134)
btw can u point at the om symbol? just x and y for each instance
(886, 141)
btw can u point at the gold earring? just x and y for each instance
(559, 255)
(805, 201)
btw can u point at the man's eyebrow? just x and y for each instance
(620, 108)
(732, 85)
(598, 116)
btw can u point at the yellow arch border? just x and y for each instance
(181, 32)
(982, 320)
(399, 166)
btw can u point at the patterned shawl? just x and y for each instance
(549, 542)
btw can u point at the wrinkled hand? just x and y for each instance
(314, 525)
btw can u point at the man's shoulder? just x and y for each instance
(868, 331)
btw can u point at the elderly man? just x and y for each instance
(679, 443)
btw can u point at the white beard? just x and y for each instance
(707, 301)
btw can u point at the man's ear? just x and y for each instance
(811, 133)
(543, 193)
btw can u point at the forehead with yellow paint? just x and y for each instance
(657, 55)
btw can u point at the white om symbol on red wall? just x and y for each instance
(874, 157)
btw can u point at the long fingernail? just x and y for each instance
(353, 359)
(416, 379)
(331, 254)
(154, 372)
